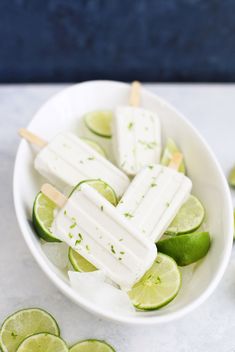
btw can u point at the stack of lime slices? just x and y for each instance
(35, 330)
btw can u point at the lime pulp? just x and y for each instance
(99, 122)
(159, 285)
(43, 342)
(79, 263)
(43, 215)
(189, 218)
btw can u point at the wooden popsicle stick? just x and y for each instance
(176, 161)
(135, 94)
(32, 138)
(55, 196)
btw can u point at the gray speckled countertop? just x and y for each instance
(211, 327)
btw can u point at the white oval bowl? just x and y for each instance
(64, 112)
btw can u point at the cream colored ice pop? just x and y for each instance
(93, 227)
(154, 198)
(67, 160)
(136, 135)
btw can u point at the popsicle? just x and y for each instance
(92, 226)
(136, 135)
(154, 197)
(67, 160)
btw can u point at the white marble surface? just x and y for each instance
(211, 327)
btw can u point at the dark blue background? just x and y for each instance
(149, 40)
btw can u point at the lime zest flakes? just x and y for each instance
(128, 215)
(150, 167)
(73, 225)
(102, 208)
(91, 158)
(167, 204)
(148, 145)
(153, 184)
(122, 252)
(87, 248)
(158, 260)
(112, 249)
(78, 241)
(70, 235)
(120, 239)
(65, 212)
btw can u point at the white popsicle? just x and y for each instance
(67, 160)
(92, 226)
(136, 136)
(153, 199)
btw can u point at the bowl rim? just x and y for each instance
(68, 291)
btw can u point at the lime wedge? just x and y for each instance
(231, 177)
(79, 263)
(99, 122)
(43, 343)
(95, 146)
(186, 249)
(168, 152)
(189, 217)
(24, 323)
(159, 285)
(91, 346)
(103, 188)
(43, 215)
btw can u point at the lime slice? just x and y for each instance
(79, 263)
(25, 323)
(168, 152)
(231, 177)
(189, 217)
(159, 285)
(91, 346)
(43, 343)
(99, 122)
(95, 146)
(186, 249)
(43, 215)
(103, 188)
